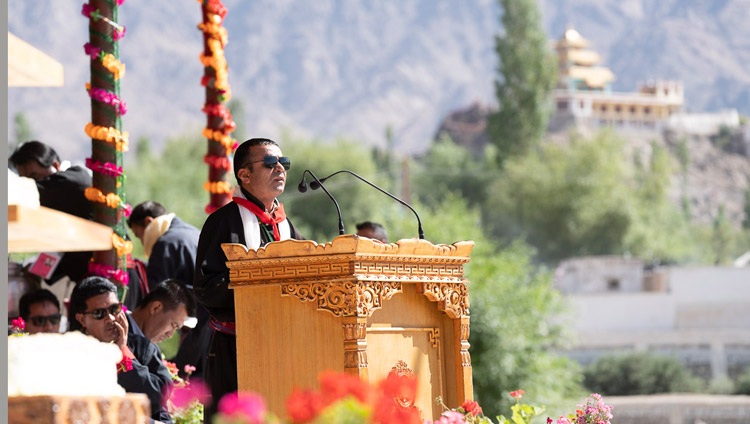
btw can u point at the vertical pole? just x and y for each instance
(108, 141)
(219, 123)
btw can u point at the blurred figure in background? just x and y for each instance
(372, 230)
(61, 188)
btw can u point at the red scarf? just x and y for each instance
(264, 217)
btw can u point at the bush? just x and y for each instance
(639, 374)
(742, 386)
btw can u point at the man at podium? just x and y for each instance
(254, 218)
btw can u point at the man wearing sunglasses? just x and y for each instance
(40, 310)
(254, 218)
(96, 311)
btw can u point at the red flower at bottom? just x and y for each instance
(472, 407)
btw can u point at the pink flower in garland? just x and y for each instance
(92, 51)
(88, 10)
(118, 34)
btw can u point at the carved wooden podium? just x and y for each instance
(353, 305)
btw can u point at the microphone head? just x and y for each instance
(302, 187)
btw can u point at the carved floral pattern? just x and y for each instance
(344, 298)
(452, 297)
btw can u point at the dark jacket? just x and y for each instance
(173, 254)
(149, 374)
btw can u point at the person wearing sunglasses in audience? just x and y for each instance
(96, 311)
(254, 218)
(40, 310)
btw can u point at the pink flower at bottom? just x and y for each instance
(249, 406)
(182, 397)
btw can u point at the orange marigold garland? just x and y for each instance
(108, 140)
(219, 119)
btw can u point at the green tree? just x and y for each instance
(513, 333)
(22, 131)
(449, 168)
(527, 74)
(722, 237)
(588, 198)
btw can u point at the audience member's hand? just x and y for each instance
(121, 324)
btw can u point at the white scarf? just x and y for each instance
(251, 226)
(154, 230)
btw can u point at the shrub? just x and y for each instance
(639, 374)
(742, 386)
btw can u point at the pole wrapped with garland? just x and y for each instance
(219, 119)
(108, 140)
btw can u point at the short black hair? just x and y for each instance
(34, 297)
(243, 151)
(376, 228)
(34, 151)
(145, 209)
(83, 291)
(171, 293)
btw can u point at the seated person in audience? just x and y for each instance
(40, 310)
(164, 310)
(95, 310)
(372, 230)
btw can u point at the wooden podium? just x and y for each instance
(353, 305)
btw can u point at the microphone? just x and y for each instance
(319, 183)
(302, 187)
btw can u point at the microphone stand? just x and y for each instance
(314, 186)
(302, 187)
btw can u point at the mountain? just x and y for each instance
(352, 69)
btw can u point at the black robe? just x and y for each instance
(211, 287)
(64, 191)
(149, 374)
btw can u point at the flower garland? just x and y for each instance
(217, 187)
(105, 131)
(107, 168)
(112, 200)
(109, 135)
(107, 97)
(107, 271)
(122, 246)
(221, 162)
(221, 124)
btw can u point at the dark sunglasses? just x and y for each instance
(100, 313)
(40, 321)
(271, 161)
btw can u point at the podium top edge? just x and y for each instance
(350, 244)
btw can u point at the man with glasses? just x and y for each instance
(40, 310)
(254, 218)
(95, 310)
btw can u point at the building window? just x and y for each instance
(613, 284)
(647, 110)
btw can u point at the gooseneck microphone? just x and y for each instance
(319, 183)
(302, 187)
